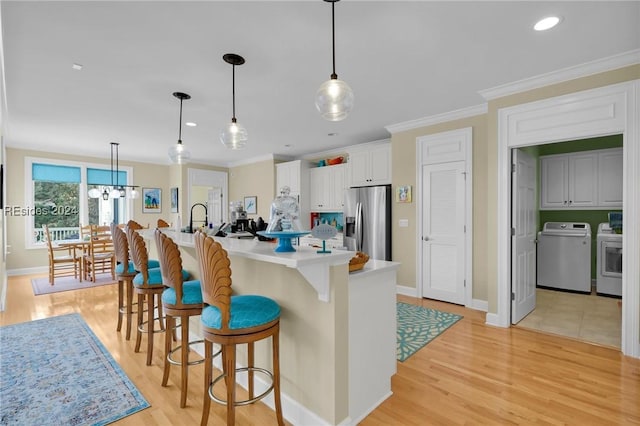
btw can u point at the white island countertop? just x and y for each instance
(312, 265)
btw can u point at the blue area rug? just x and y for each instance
(55, 371)
(417, 326)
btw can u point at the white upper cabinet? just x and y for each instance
(327, 188)
(295, 175)
(370, 166)
(585, 180)
(610, 178)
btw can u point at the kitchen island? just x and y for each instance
(337, 330)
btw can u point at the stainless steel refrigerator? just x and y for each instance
(367, 221)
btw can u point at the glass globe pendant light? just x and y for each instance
(178, 153)
(234, 136)
(334, 98)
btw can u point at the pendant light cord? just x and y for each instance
(111, 163)
(233, 91)
(333, 39)
(180, 124)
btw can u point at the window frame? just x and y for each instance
(29, 222)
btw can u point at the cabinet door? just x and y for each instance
(554, 182)
(380, 165)
(610, 178)
(320, 189)
(583, 174)
(359, 168)
(337, 187)
(288, 174)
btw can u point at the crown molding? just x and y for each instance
(609, 63)
(438, 118)
(252, 160)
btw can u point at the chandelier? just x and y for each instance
(116, 189)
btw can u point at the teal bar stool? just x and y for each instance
(229, 321)
(147, 284)
(125, 275)
(180, 299)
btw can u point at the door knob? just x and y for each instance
(425, 238)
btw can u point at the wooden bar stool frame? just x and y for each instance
(171, 268)
(125, 279)
(152, 293)
(215, 278)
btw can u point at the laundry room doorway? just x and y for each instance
(543, 303)
(607, 110)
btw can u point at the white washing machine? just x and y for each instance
(564, 256)
(609, 261)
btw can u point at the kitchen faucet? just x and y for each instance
(206, 217)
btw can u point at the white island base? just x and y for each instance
(337, 350)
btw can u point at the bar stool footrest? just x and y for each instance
(178, 348)
(246, 401)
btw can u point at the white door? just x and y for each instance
(523, 241)
(443, 226)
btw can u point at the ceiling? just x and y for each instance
(403, 60)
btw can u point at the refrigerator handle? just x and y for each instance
(358, 227)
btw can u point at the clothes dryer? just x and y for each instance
(609, 261)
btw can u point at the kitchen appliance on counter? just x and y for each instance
(239, 221)
(367, 221)
(609, 261)
(564, 256)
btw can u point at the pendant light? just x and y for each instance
(334, 98)
(234, 136)
(115, 190)
(178, 153)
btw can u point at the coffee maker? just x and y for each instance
(239, 221)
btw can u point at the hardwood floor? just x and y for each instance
(471, 374)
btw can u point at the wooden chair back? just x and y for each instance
(85, 232)
(215, 275)
(163, 224)
(134, 225)
(138, 251)
(120, 245)
(170, 264)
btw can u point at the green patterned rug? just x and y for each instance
(417, 326)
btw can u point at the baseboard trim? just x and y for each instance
(407, 291)
(492, 319)
(28, 271)
(479, 305)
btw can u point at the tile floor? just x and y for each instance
(587, 317)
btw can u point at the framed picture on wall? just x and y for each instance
(403, 194)
(251, 204)
(174, 200)
(151, 200)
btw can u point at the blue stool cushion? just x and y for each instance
(246, 311)
(191, 294)
(132, 268)
(155, 277)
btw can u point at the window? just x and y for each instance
(56, 201)
(56, 194)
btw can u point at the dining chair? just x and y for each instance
(63, 261)
(229, 321)
(163, 224)
(101, 254)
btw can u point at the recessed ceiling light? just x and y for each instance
(76, 67)
(287, 145)
(546, 23)
(190, 124)
(332, 134)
